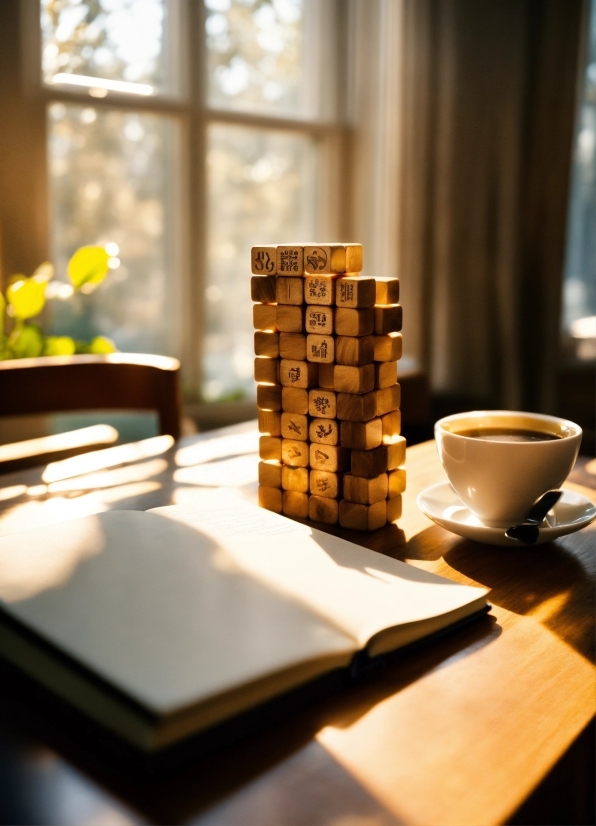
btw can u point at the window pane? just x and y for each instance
(262, 190)
(114, 40)
(110, 174)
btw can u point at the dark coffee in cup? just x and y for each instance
(507, 434)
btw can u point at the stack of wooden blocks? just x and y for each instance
(327, 343)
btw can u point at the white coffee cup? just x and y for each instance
(499, 481)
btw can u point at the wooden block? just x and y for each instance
(388, 348)
(365, 491)
(270, 474)
(319, 289)
(388, 319)
(353, 379)
(354, 350)
(269, 422)
(295, 504)
(396, 453)
(295, 478)
(270, 448)
(396, 482)
(294, 426)
(269, 396)
(290, 259)
(320, 349)
(294, 400)
(323, 483)
(262, 260)
(328, 457)
(361, 435)
(326, 376)
(270, 498)
(356, 408)
(323, 509)
(266, 370)
(387, 290)
(318, 319)
(350, 322)
(355, 291)
(289, 290)
(391, 426)
(324, 431)
(292, 346)
(362, 517)
(394, 509)
(370, 463)
(388, 399)
(294, 453)
(264, 317)
(289, 318)
(385, 374)
(322, 403)
(333, 258)
(262, 288)
(302, 374)
(267, 344)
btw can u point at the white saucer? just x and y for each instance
(442, 504)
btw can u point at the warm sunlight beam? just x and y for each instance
(206, 451)
(126, 88)
(83, 437)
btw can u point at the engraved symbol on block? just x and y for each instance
(321, 403)
(293, 452)
(322, 485)
(346, 292)
(294, 374)
(289, 261)
(317, 260)
(320, 456)
(317, 288)
(323, 431)
(320, 351)
(294, 427)
(264, 262)
(317, 319)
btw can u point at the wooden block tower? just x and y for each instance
(327, 343)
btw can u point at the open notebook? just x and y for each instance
(160, 624)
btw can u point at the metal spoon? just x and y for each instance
(528, 532)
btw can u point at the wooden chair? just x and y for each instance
(119, 381)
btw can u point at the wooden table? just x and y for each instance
(460, 732)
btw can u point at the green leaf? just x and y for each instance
(101, 345)
(25, 341)
(88, 267)
(26, 296)
(59, 346)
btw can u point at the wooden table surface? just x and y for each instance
(459, 732)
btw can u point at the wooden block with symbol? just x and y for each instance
(388, 399)
(333, 258)
(294, 400)
(263, 289)
(322, 403)
(356, 408)
(323, 509)
(295, 478)
(270, 498)
(370, 463)
(267, 344)
(326, 376)
(269, 422)
(292, 346)
(295, 504)
(294, 426)
(354, 379)
(391, 426)
(270, 474)
(396, 482)
(350, 322)
(289, 290)
(262, 260)
(266, 370)
(362, 517)
(396, 453)
(319, 289)
(387, 290)
(385, 374)
(269, 397)
(355, 291)
(324, 431)
(328, 457)
(318, 319)
(354, 350)
(326, 484)
(290, 318)
(388, 319)
(301, 374)
(365, 491)
(361, 435)
(290, 259)
(264, 317)
(294, 453)
(320, 349)
(270, 448)
(394, 507)
(388, 348)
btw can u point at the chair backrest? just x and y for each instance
(119, 381)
